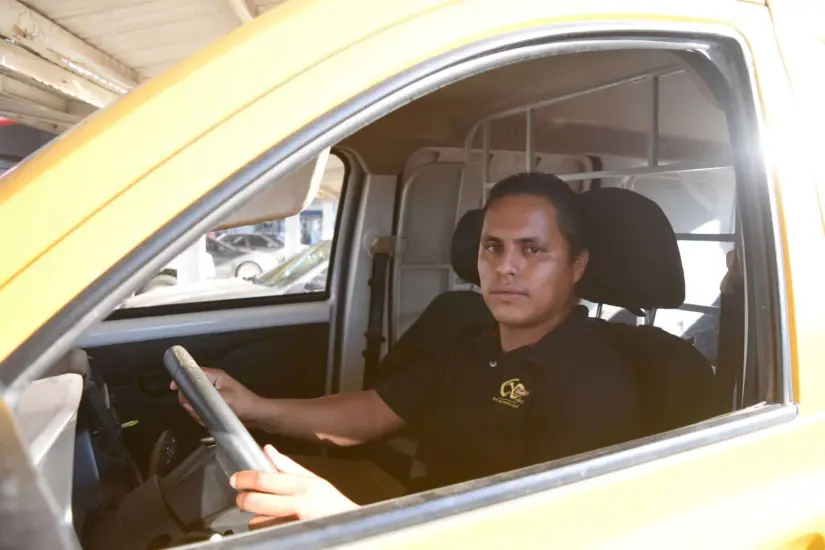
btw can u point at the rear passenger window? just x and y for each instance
(701, 208)
(287, 257)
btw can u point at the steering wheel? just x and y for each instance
(228, 431)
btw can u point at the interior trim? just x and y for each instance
(338, 275)
(207, 306)
(141, 329)
(401, 230)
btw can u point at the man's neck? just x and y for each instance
(517, 337)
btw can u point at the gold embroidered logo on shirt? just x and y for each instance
(512, 393)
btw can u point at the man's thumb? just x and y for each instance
(283, 463)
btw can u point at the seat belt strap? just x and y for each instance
(381, 251)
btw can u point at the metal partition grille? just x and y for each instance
(626, 176)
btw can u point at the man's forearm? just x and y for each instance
(343, 419)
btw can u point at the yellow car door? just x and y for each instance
(120, 195)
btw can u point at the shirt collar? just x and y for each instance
(490, 343)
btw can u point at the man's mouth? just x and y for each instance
(508, 292)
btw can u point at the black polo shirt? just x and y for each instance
(478, 411)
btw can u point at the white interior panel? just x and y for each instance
(422, 262)
(374, 220)
(431, 206)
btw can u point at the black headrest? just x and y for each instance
(464, 252)
(634, 257)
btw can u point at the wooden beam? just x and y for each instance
(23, 63)
(28, 113)
(21, 24)
(15, 89)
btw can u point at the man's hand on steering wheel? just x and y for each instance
(292, 493)
(240, 399)
(269, 484)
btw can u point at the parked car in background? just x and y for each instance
(220, 259)
(301, 273)
(233, 261)
(317, 283)
(252, 241)
(196, 263)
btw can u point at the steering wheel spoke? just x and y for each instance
(234, 440)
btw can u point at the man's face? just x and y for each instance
(527, 274)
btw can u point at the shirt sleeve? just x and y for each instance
(409, 392)
(589, 403)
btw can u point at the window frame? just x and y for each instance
(255, 301)
(727, 54)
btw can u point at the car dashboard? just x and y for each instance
(47, 415)
(74, 439)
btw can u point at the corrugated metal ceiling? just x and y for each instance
(146, 35)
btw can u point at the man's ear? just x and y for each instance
(580, 265)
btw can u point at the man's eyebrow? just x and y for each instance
(521, 240)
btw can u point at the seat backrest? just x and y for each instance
(449, 315)
(635, 264)
(634, 256)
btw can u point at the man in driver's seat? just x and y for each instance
(542, 384)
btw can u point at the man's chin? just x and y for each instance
(508, 317)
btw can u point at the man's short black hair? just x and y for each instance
(552, 189)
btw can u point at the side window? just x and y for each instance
(265, 259)
(701, 209)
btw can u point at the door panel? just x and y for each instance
(288, 361)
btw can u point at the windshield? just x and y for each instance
(291, 271)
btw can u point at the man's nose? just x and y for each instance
(509, 263)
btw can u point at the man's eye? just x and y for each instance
(492, 247)
(533, 250)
